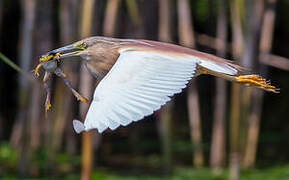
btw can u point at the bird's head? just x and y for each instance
(71, 50)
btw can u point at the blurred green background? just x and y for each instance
(212, 130)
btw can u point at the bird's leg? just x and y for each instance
(46, 82)
(79, 97)
(36, 70)
(256, 80)
(250, 80)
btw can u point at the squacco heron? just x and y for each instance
(137, 77)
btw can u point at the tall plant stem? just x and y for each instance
(217, 157)
(86, 82)
(234, 159)
(257, 96)
(186, 36)
(165, 114)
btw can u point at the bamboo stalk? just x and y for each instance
(186, 36)
(1, 15)
(63, 97)
(234, 159)
(68, 33)
(86, 82)
(19, 136)
(133, 12)
(217, 157)
(185, 26)
(252, 24)
(42, 44)
(257, 96)
(110, 17)
(25, 51)
(165, 113)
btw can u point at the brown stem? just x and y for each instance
(217, 157)
(165, 114)
(186, 36)
(257, 96)
(85, 85)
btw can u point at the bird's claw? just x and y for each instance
(47, 107)
(35, 73)
(82, 99)
(36, 70)
(258, 81)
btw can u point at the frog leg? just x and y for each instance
(79, 97)
(46, 82)
(36, 70)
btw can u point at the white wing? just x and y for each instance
(138, 84)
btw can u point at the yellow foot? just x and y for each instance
(36, 70)
(47, 107)
(81, 98)
(255, 80)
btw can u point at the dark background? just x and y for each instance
(34, 146)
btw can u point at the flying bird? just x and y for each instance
(137, 77)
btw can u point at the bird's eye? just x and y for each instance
(81, 45)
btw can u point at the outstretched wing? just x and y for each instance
(138, 84)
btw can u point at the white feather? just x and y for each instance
(220, 68)
(78, 126)
(138, 84)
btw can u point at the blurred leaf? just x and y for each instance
(202, 10)
(8, 156)
(10, 63)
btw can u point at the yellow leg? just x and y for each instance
(255, 80)
(79, 97)
(36, 70)
(252, 77)
(250, 80)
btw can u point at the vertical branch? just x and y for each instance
(217, 157)
(19, 136)
(38, 123)
(68, 33)
(43, 43)
(1, 14)
(164, 21)
(110, 17)
(253, 14)
(63, 97)
(187, 39)
(25, 54)
(1, 119)
(237, 49)
(165, 114)
(257, 96)
(185, 26)
(133, 12)
(86, 89)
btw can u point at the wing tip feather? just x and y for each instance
(78, 126)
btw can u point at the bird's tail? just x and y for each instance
(233, 72)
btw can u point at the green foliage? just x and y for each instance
(8, 156)
(202, 10)
(278, 172)
(10, 63)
